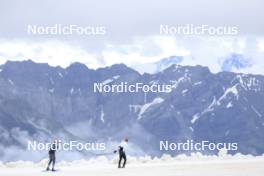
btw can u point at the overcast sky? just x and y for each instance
(132, 31)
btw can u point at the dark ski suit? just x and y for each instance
(122, 155)
(52, 157)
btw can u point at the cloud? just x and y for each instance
(53, 52)
(143, 50)
(260, 45)
(203, 50)
(131, 38)
(124, 22)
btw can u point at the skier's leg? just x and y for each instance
(50, 160)
(124, 164)
(119, 162)
(53, 162)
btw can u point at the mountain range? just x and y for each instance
(40, 102)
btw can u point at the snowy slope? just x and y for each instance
(196, 165)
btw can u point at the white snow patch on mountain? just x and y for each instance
(176, 67)
(102, 116)
(247, 82)
(175, 83)
(11, 82)
(229, 105)
(116, 77)
(197, 83)
(208, 109)
(72, 90)
(146, 106)
(60, 74)
(195, 118)
(256, 111)
(51, 81)
(107, 81)
(240, 79)
(51, 90)
(229, 90)
(184, 91)
(110, 80)
(253, 84)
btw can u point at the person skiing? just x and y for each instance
(122, 154)
(52, 157)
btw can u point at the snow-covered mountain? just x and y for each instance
(158, 66)
(42, 102)
(166, 62)
(235, 61)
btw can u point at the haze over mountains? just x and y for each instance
(41, 102)
(232, 62)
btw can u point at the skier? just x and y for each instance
(122, 154)
(52, 158)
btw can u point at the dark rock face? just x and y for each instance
(41, 102)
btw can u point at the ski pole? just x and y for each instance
(102, 154)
